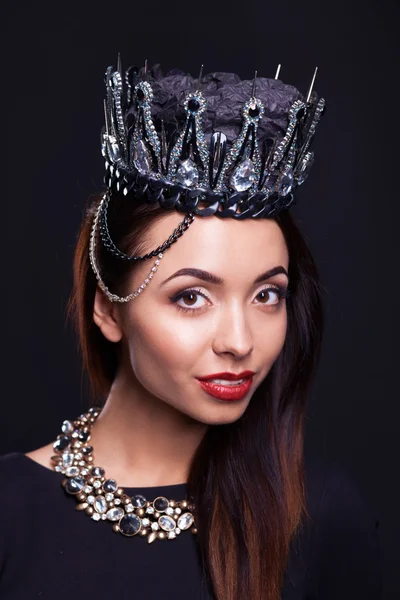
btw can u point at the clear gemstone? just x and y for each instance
(96, 484)
(155, 526)
(177, 530)
(243, 176)
(72, 471)
(185, 520)
(141, 157)
(115, 514)
(166, 523)
(129, 508)
(139, 501)
(67, 459)
(187, 173)
(110, 485)
(178, 510)
(88, 489)
(90, 499)
(67, 427)
(100, 504)
(285, 183)
(109, 497)
(113, 148)
(96, 517)
(169, 510)
(305, 167)
(146, 522)
(150, 510)
(75, 485)
(171, 535)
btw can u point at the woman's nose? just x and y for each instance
(232, 333)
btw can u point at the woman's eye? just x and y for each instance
(189, 300)
(195, 300)
(270, 296)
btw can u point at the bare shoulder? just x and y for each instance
(42, 455)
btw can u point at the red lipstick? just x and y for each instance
(227, 392)
(228, 376)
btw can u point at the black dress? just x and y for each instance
(50, 551)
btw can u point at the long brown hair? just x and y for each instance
(246, 478)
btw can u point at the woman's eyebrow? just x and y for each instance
(211, 278)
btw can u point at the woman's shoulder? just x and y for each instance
(20, 471)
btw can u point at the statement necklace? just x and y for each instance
(103, 499)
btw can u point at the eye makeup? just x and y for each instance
(281, 292)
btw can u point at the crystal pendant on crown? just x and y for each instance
(145, 147)
(244, 175)
(142, 157)
(187, 173)
(304, 167)
(114, 146)
(286, 182)
(189, 156)
(243, 163)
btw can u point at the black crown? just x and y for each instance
(195, 169)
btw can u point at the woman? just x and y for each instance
(200, 346)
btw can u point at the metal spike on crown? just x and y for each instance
(204, 174)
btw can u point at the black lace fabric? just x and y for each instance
(226, 95)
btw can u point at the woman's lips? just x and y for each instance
(225, 392)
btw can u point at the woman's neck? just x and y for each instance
(142, 441)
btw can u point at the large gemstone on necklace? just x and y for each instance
(185, 520)
(62, 443)
(243, 176)
(83, 436)
(138, 501)
(68, 459)
(130, 524)
(166, 523)
(187, 173)
(75, 485)
(141, 157)
(100, 504)
(110, 485)
(72, 471)
(160, 503)
(115, 514)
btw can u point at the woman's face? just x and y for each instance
(182, 328)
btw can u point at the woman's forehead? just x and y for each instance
(222, 244)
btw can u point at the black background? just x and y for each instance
(52, 88)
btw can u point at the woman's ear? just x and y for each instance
(105, 315)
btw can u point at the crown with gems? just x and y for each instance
(212, 146)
